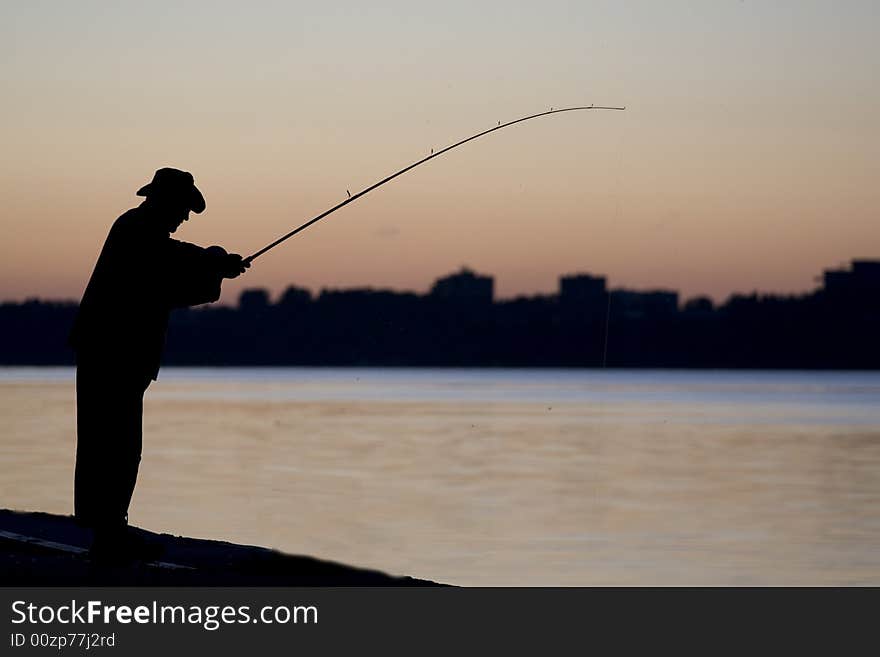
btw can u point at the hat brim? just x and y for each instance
(195, 200)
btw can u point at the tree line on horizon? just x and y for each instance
(459, 323)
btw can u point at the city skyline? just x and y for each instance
(829, 276)
(571, 284)
(460, 323)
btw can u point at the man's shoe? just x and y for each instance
(120, 546)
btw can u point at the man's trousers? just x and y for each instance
(109, 415)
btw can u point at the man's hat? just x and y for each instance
(173, 183)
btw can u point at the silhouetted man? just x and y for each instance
(119, 334)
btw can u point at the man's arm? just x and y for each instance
(193, 274)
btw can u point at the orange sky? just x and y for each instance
(747, 158)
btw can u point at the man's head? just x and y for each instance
(174, 194)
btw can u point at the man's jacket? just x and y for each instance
(140, 276)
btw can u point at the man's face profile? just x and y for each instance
(176, 216)
(172, 212)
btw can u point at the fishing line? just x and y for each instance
(353, 197)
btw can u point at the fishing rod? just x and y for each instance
(351, 198)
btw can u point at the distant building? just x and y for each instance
(253, 300)
(581, 289)
(465, 286)
(836, 280)
(295, 296)
(866, 273)
(862, 280)
(699, 306)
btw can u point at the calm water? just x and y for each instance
(495, 477)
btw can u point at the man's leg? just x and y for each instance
(130, 422)
(109, 440)
(94, 431)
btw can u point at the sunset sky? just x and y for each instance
(748, 157)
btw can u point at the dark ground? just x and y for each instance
(41, 549)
